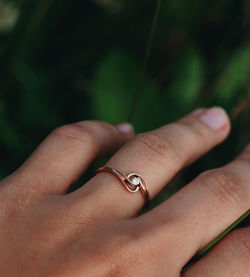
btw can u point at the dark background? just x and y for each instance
(71, 60)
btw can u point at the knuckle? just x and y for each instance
(192, 134)
(76, 132)
(225, 185)
(188, 127)
(158, 145)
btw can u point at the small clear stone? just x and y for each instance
(135, 181)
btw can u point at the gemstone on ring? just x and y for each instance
(135, 180)
(132, 182)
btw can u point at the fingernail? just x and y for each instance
(215, 118)
(125, 128)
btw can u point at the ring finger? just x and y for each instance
(157, 156)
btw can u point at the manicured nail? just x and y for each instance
(215, 118)
(125, 128)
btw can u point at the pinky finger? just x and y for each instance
(231, 257)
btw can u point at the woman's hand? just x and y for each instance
(96, 231)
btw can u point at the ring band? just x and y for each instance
(133, 182)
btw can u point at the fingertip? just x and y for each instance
(216, 119)
(126, 129)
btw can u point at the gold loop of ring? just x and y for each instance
(133, 182)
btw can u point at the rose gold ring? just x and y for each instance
(133, 182)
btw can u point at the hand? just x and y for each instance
(96, 230)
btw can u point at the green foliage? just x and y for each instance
(187, 82)
(236, 75)
(65, 61)
(112, 93)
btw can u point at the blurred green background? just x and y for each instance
(65, 61)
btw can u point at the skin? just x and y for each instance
(96, 230)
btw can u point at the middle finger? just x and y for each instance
(203, 209)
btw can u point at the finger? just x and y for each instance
(67, 152)
(231, 257)
(205, 208)
(157, 156)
